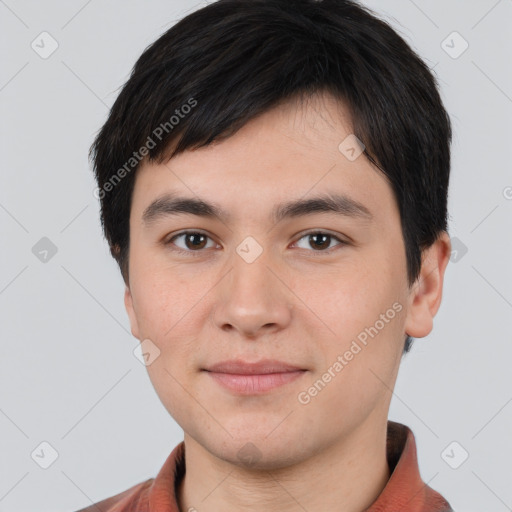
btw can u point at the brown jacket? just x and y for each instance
(404, 492)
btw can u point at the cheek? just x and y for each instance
(359, 367)
(164, 302)
(349, 298)
(172, 309)
(167, 308)
(364, 307)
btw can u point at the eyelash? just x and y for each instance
(199, 251)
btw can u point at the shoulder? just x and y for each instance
(134, 499)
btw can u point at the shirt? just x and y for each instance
(404, 492)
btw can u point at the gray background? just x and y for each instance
(68, 375)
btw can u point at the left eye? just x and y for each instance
(194, 241)
(321, 240)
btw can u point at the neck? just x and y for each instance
(346, 477)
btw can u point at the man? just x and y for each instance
(273, 181)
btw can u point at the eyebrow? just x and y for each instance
(171, 204)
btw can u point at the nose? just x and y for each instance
(252, 299)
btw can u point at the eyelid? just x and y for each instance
(341, 243)
(320, 231)
(298, 237)
(169, 240)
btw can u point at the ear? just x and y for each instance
(128, 304)
(426, 293)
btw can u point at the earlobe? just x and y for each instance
(128, 304)
(426, 293)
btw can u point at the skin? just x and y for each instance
(294, 303)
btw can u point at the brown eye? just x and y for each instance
(195, 240)
(190, 241)
(320, 241)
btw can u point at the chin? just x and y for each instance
(255, 456)
(259, 450)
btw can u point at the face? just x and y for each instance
(321, 291)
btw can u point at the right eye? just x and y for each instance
(193, 241)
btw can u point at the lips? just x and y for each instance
(245, 378)
(239, 367)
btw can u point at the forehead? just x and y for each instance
(293, 151)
